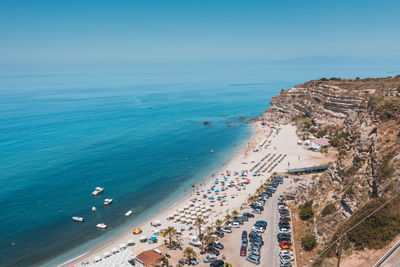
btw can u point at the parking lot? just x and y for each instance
(270, 250)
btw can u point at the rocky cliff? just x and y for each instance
(362, 119)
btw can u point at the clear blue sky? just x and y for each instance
(121, 31)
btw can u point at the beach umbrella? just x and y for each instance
(107, 254)
(114, 250)
(143, 238)
(97, 258)
(158, 222)
(130, 242)
(122, 246)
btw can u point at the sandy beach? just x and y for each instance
(271, 148)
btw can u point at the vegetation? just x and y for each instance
(235, 213)
(385, 107)
(218, 222)
(328, 209)
(351, 171)
(306, 211)
(308, 242)
(189, 253)
(170, 233)
(208, 239)
(339, 137)
(385, 168)
(198, 223)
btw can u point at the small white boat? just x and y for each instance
(94, 208)
(107, 201)
(101, 226)
(98, 191)
(128, 213)
(78, 219)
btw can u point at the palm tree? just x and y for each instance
(252, 198)
(235, 213)
(208, 239)
(228, 217)
(199, 222)
(218, 222)
(209, 229)
(189, 253)
(170, 233)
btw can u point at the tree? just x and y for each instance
(208, 240)
(228, 217)
(308, 242)
(199, 222)
(218, 222)
(170, 233)
(209, 229)
(252, 198)
(306, 211)
(189, 253)
(235, 213)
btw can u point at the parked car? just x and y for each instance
(219, 233)
(248, 215)
(258, 229)
(217, 263)
(212, 250)
(183, 261)
(286, 252)
(263, 224)
(218, 245)
(253, 259)
(253, 248)
(226, 229)
(244, 234)
(254, 234)
(210, 258)
(258, 211)
(234, 225)
(194, 261)
(243, 251)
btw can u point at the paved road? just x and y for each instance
(394, 259)
(270, 250)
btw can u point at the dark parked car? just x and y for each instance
(219, 233)
(217, 263)
(243, 250)
(244, 234)
(212, 250)
(256, 240)
(248, 215)
(218, 245)
(262, 224)
(244, 219)
(254, 234)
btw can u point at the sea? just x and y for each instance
(139, 134)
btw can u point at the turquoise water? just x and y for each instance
(139, 135)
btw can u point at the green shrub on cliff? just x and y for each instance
(306, 211)
(308, 242)
(328, 209)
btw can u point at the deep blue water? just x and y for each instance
(138, 135)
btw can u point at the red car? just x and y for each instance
(285, 243)
(243, 250)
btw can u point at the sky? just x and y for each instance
(91, 32)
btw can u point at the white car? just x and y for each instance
(210, 258)
(284, 231)
(286, 252)
(256, 211)
(226, 230)
(234, 225)
(286, 258)
(258, 229)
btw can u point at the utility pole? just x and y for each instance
(340, 249)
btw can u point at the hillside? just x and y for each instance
(361, 117)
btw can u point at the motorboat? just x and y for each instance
(97, 191)
(78, 219)
(107, 201)
(101, 226)
(129, 212)
(94, 208)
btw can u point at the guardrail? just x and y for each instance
(387, 254)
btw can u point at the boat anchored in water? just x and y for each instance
(101, 226)
(78, 219)
(94, 208)
(107, 201)
(128, 213)
(98, 191)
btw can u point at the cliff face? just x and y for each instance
(362, 118)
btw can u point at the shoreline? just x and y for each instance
(243, 149)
